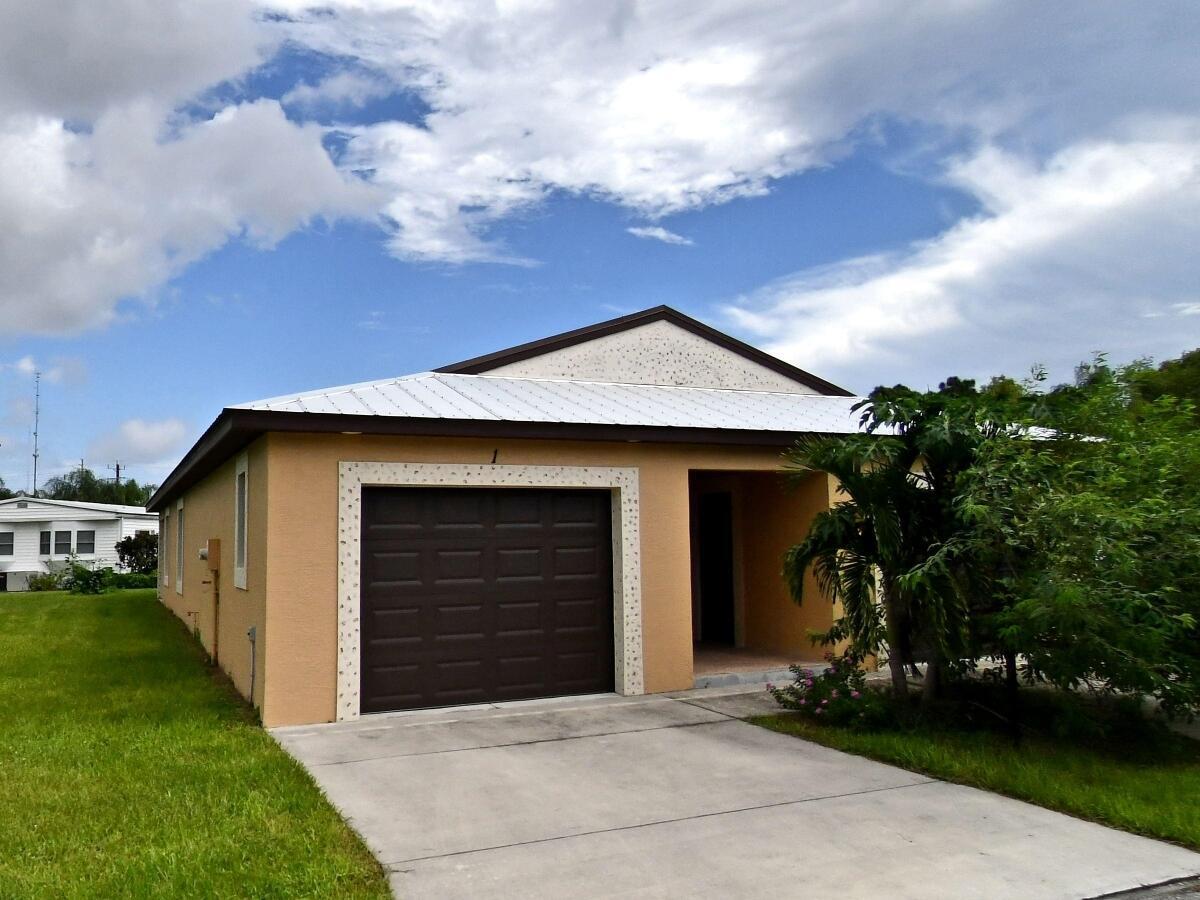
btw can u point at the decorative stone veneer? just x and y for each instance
(627, 581)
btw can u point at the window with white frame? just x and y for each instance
(6, 543)
(241, 491)
(85, 542)
(163, 529)
(44, 544)
(62, 543)
(179, 551)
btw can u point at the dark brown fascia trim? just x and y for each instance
(235, 428)
(482, 364)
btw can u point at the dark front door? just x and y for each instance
(715, 547)
(472, 595)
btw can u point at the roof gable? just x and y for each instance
(657, 346)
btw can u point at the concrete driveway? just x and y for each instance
(675, 797)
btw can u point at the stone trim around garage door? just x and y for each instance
(621, 482)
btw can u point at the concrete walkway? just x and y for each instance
(674, 796)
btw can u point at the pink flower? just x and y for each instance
(819, 711)
(803, 702)
(833, 693)
(824, 702)
(855, 694)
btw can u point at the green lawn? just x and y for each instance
(128, 767)
(1148, 784)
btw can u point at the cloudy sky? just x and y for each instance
(204, 203)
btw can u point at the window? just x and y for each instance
(6, 543)
(240, 489)
(85, 542)
(44, 544)
(62, 543)
(179, 548)
(163, 529)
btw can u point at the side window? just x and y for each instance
(85, 542)
(164, 528)
(44, 543)
(62, 543)
(240, 521)
(6, 543)
(179, 545)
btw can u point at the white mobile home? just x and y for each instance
(38, 535)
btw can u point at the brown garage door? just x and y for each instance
(472, 595)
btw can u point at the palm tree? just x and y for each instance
(894, 552)
(860, 549)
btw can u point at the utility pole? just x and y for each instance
(37, 410)
(117, 467)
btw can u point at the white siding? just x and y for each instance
(29, 520)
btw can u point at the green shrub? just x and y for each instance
(837, 696)
(127, 580)
(49, 581)
(82, 579)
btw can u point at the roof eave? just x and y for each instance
(233, 429)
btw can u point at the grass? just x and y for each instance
(1142, 779)
(129, 767)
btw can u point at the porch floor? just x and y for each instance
(713, 659)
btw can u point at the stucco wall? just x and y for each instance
(208, 513)
(776, 513)
(302, 561)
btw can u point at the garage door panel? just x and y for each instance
(472, 595)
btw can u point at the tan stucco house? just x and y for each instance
(589, 512)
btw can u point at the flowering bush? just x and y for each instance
(838, 695)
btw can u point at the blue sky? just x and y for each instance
(225, 205)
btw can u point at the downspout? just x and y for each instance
(252, 634)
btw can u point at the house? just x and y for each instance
(37, 536)
(594, 511)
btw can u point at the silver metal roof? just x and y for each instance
(432, 395)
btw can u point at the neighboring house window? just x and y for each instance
(85, 542)
(62, 543)
(179, 548)
(44, 543)
(6, 543)
(240, 499)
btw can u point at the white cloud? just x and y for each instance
(141, 442)
(350, 88)
(1065, 258)
(677, 105)
(119, 212)
(63, 369)
(107, 190)
(658, 233)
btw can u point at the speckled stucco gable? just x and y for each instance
(655, 353)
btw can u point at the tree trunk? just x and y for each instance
(895, 641)
(932, 685)
(1012, 695)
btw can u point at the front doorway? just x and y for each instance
(714, 578)
(744, 619)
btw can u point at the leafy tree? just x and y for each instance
(5, 493)
(1099, 517)
(83, 485)
(896, 553)
(1178, 378)
(139, 553)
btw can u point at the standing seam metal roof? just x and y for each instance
(433, 395)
